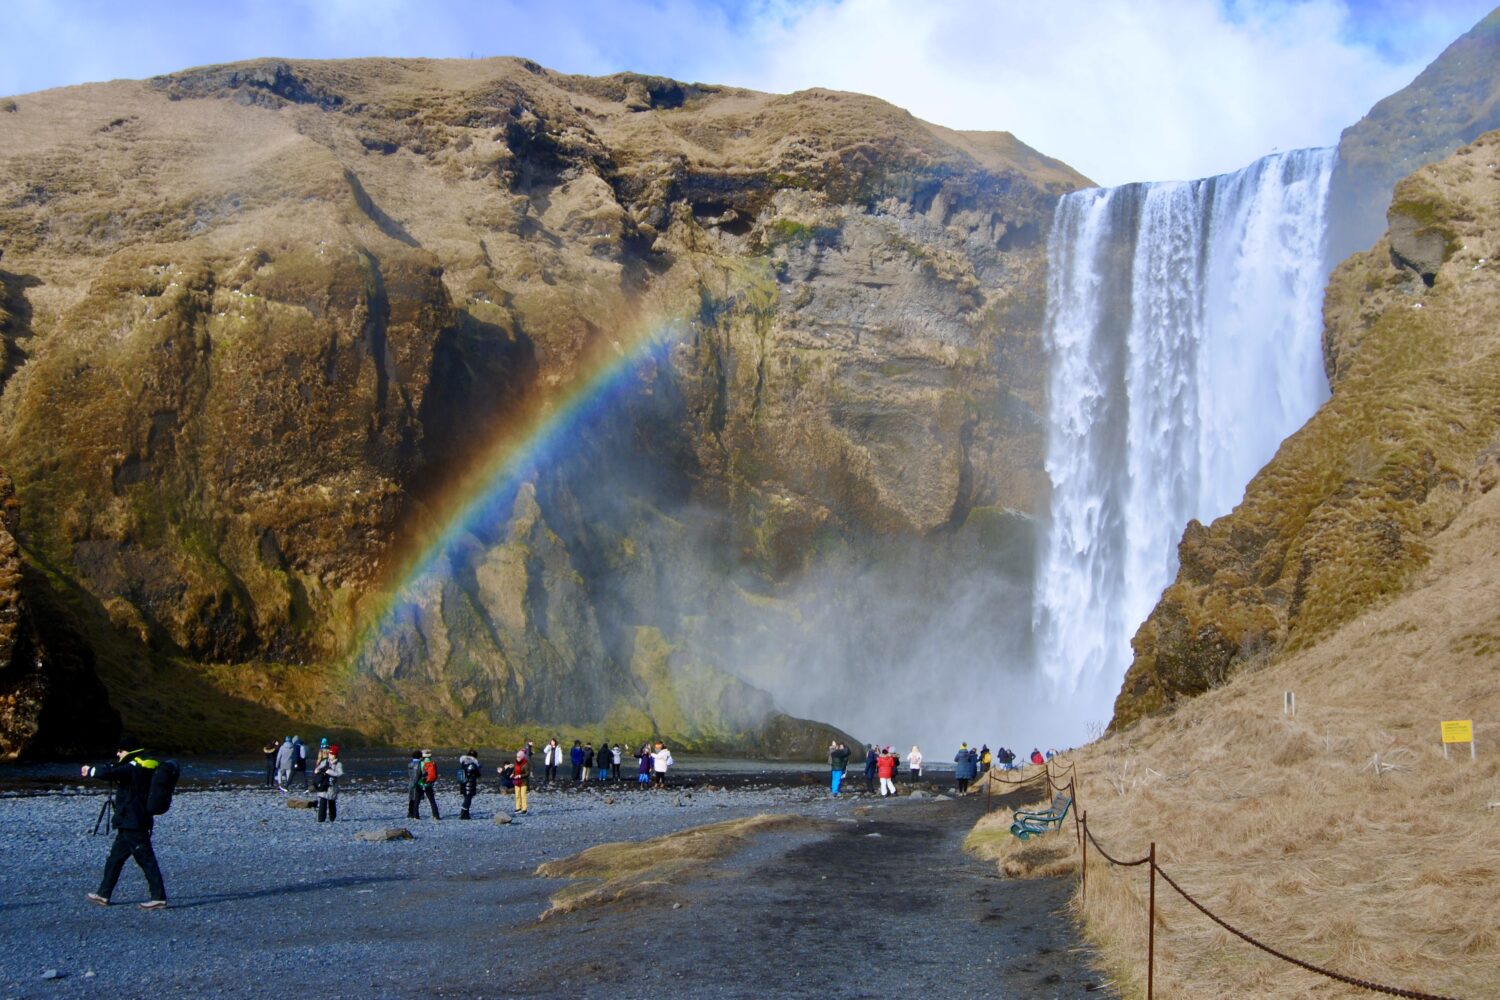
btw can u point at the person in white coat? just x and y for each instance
(914, 763)
(552, 755)
(661, 760)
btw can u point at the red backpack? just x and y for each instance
(429, 772)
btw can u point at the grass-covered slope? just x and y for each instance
(1283, 827)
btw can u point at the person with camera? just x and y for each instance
(133, 821)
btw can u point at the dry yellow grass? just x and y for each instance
(1282, 826)
(635, 870)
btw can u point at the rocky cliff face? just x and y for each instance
(51, 701)
(259, 318)
(1343, 517)
(1452, 102)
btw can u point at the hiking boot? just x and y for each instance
(97, 899)
(154, 904)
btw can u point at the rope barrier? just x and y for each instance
(1363, 984)
(1109, 857)
(1157, 869)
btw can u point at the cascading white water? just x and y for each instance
(1184, 334)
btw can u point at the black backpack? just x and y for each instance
(163, 786)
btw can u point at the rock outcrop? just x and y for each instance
(1343, 517)
(1451, 102)
(273, 311)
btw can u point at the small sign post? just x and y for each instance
(1289, 703)
(1459, 731)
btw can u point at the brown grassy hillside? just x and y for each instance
(1283, 828)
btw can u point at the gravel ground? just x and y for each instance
(265, 900)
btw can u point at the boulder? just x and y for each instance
(380, 836)
(501, 819)
(302, 803)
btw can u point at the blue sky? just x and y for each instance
(1121, 89)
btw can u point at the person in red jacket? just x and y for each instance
(885, 767)
(1036, 757)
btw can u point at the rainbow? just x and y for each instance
(483, 497)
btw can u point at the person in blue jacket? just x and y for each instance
(578, 757)
(965, 765)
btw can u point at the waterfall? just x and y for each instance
(1183, 328)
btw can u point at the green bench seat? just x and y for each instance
(1027, 824)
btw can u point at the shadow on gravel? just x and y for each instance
(326, 885)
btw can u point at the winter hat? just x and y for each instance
(333, 749)
(323, 741)
(127, 742)
(426, 753)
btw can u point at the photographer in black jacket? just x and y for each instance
(132, 821)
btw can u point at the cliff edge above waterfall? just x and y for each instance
(259, 319)
(1347, 514)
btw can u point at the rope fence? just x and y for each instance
(1087, 837)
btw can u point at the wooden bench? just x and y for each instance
(1028, 824)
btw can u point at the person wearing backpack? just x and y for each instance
(133, 776)
(468, 780)
(427, 776)
(326, 775)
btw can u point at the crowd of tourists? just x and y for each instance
(882, 764)
(286, 768)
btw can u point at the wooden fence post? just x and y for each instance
(1084, 840)
(1151, 930)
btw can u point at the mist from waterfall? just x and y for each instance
(1184, 325)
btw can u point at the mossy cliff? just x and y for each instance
(1342, 518)
(258, 318)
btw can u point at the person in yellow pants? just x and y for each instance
(519, 777)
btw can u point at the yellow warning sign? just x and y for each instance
(1458, 732)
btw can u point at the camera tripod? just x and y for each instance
(105, 810)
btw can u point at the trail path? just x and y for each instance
(887, 905)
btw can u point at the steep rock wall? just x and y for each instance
(272, 311)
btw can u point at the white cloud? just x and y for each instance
(1121, 89)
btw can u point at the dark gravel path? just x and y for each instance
(266, 902)
(888, 904)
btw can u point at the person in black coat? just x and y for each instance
(132, 821)
(870, 759)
